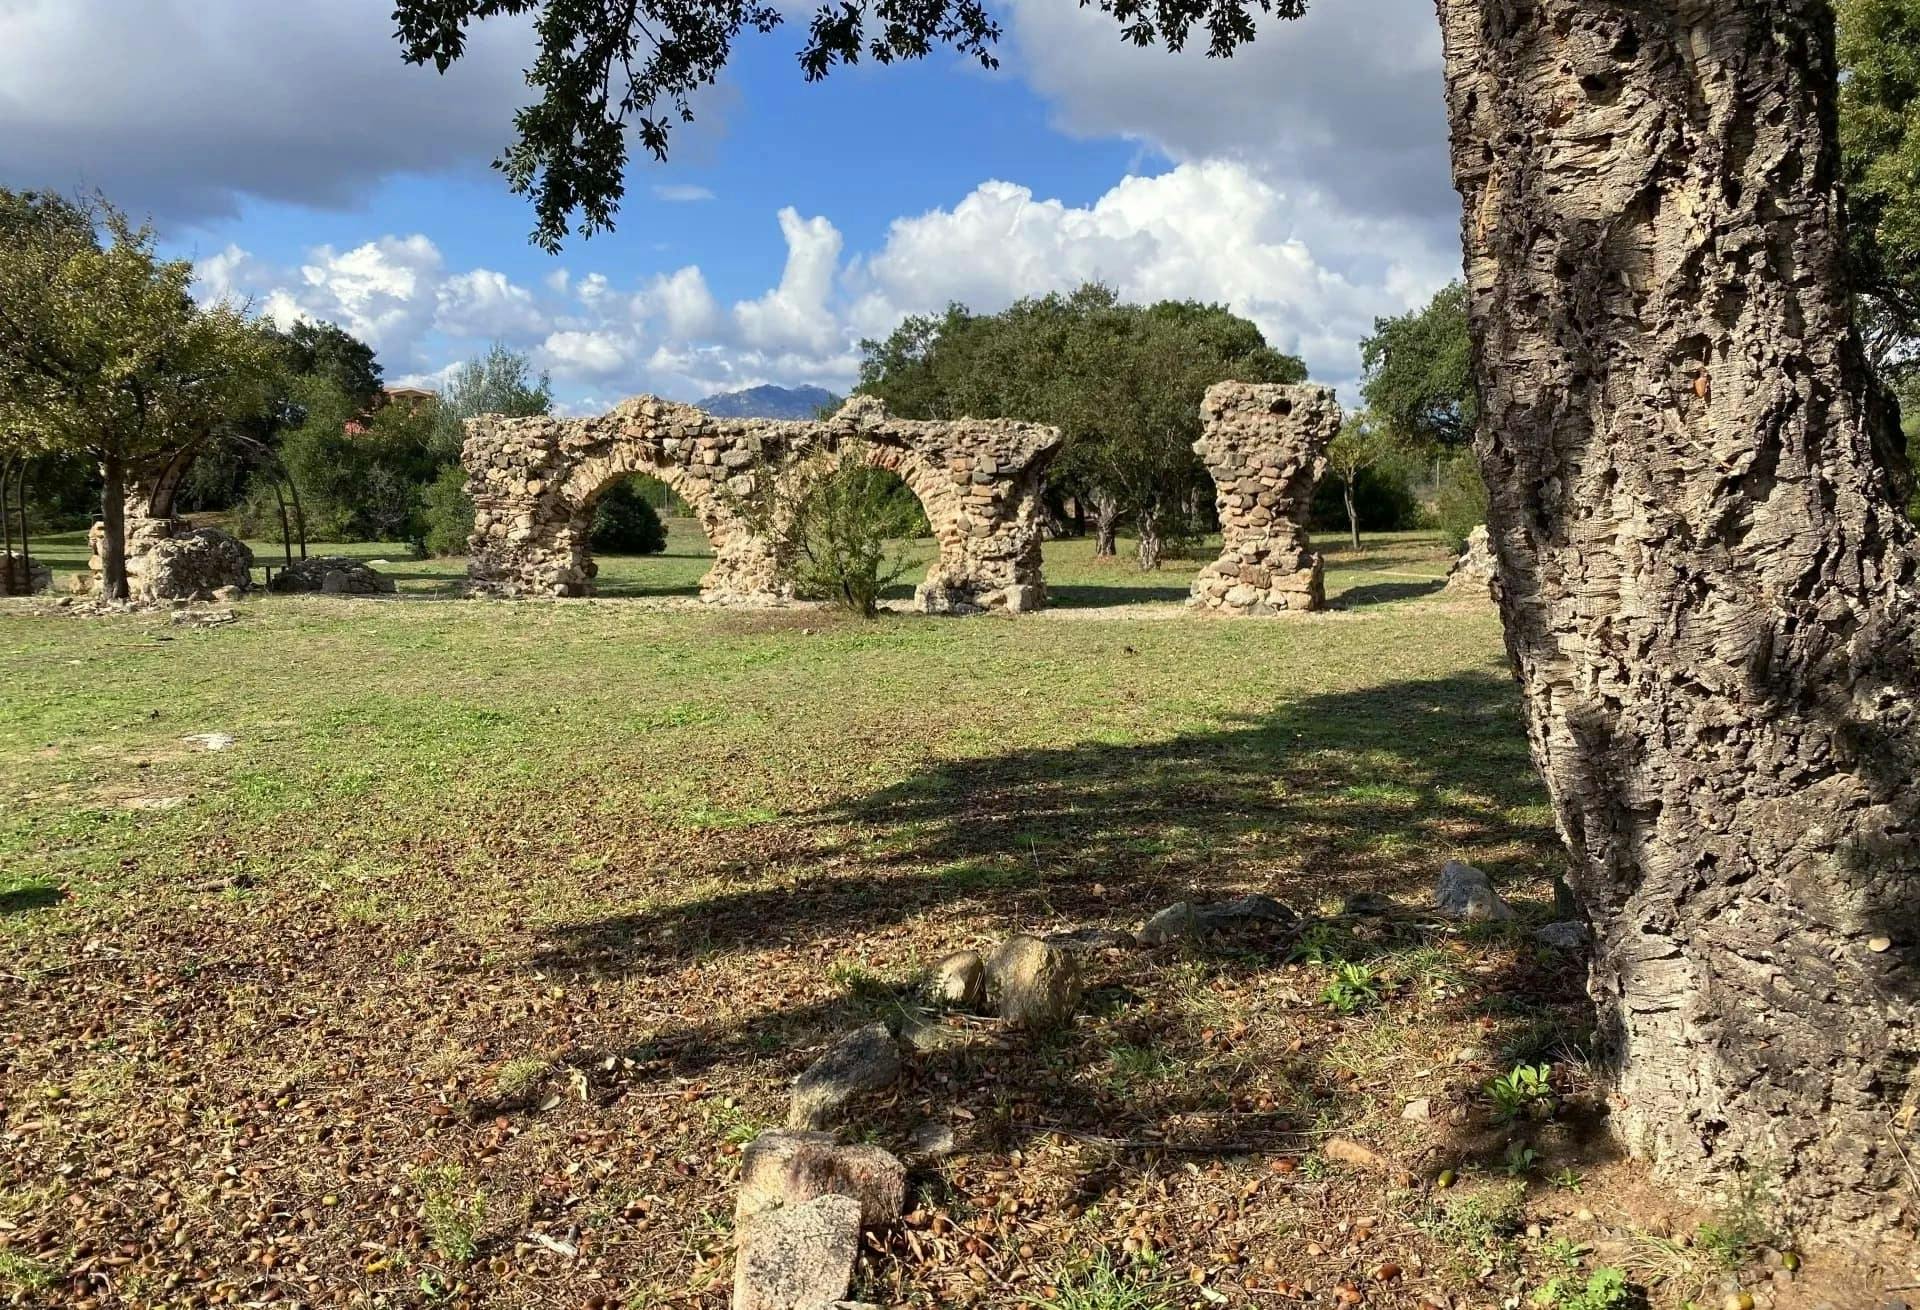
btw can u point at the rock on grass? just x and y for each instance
(865, 1060)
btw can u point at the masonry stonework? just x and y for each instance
(534, 482)
(1265, 447)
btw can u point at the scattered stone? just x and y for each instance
(1568, 935)
(203, 618)
(1037, 985)
(209, 741)
(1091, 939)
(334, 575)
(781, 1167)
(1418, 1110)
(798, 1257)
(1184, 920)
(1464, 892)
(1347, 1151)
(932, 1140)
(1478, 568)
(960, 980)
(23, 577)
(1266, 449)
(1880, 945)
(865, 1060)
(1365, 905)
(229, 594)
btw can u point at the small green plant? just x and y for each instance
(1526, 1090)
(20, 1275)
(1567, 1180)
(520, 1077)
(729, 1122)
(1354, 987)
(1478, 1231)
(1520, 1159)
(1096, 1285)
(1322, 943)
(1136, 1066)
(1605, 1289)
(451, 1211)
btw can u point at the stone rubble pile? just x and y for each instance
(1265, 447)
(332, 575)
(1478, 568)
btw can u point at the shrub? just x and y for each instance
(1460, 499)
(624, 523)
(1383, 500)
(448, 512)
(847, 536)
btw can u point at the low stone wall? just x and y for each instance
(1265, 447)
(23, 576)
(534, 482)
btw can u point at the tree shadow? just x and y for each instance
(1070, 595)
(1383, 593)
(33, 896)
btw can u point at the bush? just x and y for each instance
(846, 537)
(1460, 499)
(1383, 499)
(448, 512)
(625, 524)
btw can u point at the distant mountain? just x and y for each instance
(771, 402)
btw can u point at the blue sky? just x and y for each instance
(286, 149)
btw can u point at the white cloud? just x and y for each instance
(484, 303)
(794, 315)
(180, 107)
(587, 354)
(683, 304)
(384, 292)
(680, 193)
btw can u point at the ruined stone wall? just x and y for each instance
(534, 482)
(1265, 447)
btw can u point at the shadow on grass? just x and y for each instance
(1381, 593)
(34, 896)
(1335, 790)
(1070, 595)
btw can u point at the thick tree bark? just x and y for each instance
(1106, 525)
(113, 518)
(1151, 545)
(1709, 593)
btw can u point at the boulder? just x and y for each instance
(333, 575)
(1464, 892)
(1478, 567)
(960, 980)
(865, 1060)
(932, 1140)
(1184, 919)
(1036, 985)
(1568, 935)
(781, 1167)
(191, 566)
(798, 1257)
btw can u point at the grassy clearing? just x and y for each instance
(465, 973)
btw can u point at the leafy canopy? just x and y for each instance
(1418, 366)
(604, 66)
(1879, 49)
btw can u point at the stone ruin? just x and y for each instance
(167, 558)
(1477, 571)
(534, 482)
(23, 575)
(1265, 447)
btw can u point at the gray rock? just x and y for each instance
(1569, 935)
(961, 980)
(191, 566)
(932, 1140)
(798, 1257)
(1184, 919)
(865, 1060)
(1464, 892)
(317, 574)
(781, 1167)
(1036, 985)
(1091, 939)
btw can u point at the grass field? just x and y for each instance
(463, 973)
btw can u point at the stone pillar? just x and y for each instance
(1265, 447)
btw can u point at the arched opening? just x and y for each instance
(858, 534)
(707, 548)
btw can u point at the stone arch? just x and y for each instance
(533, 481)
(1265, 447)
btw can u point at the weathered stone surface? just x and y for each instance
(1266, 448)
(1183, 919)
(1463, 892)
(798, 1257)
(189, 566)
(333, 575)
(1477, 568)
(782, 1167)
(534, 482)
(1568, 935)
(960, 980)
(932, 1140)
(865, 1060)
(23, 576)
(1034, 984)
(1085, 940)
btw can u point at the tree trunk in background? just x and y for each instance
(1106, 525)
(113, 518)
(1708, 590)
(1353, 515)
(1150, 545)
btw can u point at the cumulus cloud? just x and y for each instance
(180, 107)
(484, 303)
(794, 315)
(681, 193)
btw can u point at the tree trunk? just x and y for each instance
(1151, 545)
(1353, 515)
(113, 518)
(1709, 593)
(1106, 525)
